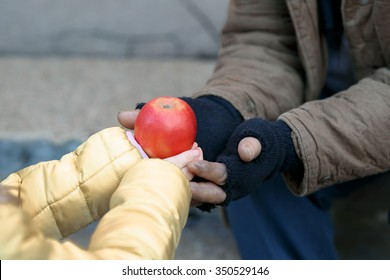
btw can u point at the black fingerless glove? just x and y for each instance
(216, 120)
(277, 155)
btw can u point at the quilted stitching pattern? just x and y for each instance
(77, 187)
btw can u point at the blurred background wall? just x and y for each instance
(118, 28)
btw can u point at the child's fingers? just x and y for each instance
(187, 173)
(200, 157)
(194, 146)
(181, 160)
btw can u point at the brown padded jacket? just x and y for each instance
(272, 64)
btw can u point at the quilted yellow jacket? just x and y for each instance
(143, 204)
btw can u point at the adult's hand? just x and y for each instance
(267, 149)
(127, 118)
(215, 173)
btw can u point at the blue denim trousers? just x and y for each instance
(274, 224)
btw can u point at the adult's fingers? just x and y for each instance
(211, 171)
(249, 148)
(206, 192)
(127, 118)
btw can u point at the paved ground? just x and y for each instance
(68, 67)
(69, 98)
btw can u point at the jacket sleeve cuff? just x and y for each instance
(311, 180)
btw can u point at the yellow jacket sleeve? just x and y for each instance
(63, 196)
(147, 211)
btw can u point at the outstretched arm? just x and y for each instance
(147, 214)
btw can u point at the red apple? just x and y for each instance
(165, 126)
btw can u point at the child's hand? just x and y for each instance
(181, 160)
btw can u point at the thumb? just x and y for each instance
(249, 148)
(127, 118)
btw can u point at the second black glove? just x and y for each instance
(277, 154)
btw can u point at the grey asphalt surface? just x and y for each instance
(68, 67)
